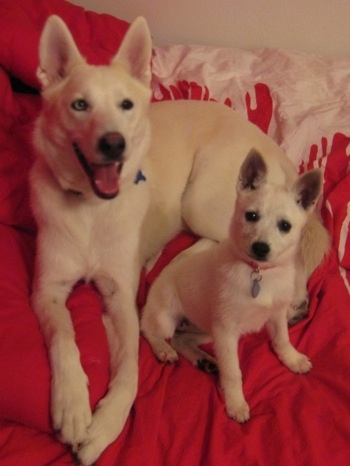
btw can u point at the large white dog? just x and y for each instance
(115, 178)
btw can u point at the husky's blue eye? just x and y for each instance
(284, 226)
(80, 105)
(127, 104)
(252, 216)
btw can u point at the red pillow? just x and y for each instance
(24, 364)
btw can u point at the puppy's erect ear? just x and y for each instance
(253, 171)
(57, 52)
(135, 52)
(308, 188)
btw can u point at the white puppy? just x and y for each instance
(237, 286)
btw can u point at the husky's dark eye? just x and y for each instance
(126, 104)
(252, 216)
(80, 105)
(284, 226)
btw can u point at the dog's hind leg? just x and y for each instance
(298, 308)
(315, 244)
(187, 344)
(314, 247)
(162, 350)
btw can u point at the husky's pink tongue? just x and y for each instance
(106, 180)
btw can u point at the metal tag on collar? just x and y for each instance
(256, 277)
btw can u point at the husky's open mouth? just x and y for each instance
(104, 178)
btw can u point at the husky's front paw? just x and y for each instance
(239, 412)
(70, 409)
(108, 421)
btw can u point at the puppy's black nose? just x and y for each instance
(112, 146)
(260, 250)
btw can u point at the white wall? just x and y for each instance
(319, 26)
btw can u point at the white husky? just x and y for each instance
(115, 178)
(238, 285)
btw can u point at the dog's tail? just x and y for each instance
(315, 244)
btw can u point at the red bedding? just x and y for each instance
(179, 416)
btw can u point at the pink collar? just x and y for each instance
(258, 267)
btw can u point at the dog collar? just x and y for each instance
(256, 276)
(139, 177)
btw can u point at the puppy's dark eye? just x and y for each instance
(126, 104)
(251, 216)
(284, 226)
(80, 105)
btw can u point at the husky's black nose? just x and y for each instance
(111, 146)
(260, 250)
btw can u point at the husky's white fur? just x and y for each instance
(238, 285)
(115, 178)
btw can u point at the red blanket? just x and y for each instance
(179, 416)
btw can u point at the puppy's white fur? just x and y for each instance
(189, 154)
(240, 284)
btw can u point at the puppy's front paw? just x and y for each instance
(239, 412)
(301, 364)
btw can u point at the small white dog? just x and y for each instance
(240, 284)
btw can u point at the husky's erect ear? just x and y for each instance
(57, 52)
(135, 52)
(253, 171)
(308, 188)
